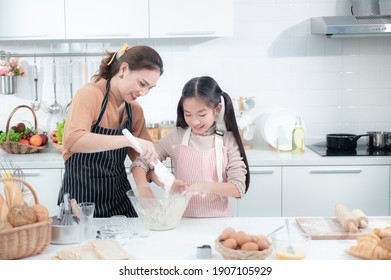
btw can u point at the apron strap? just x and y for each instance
(218, 150)
(104, 103)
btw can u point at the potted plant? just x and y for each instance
(9, 70)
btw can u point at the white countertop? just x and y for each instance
(258, 156)
(181, 243)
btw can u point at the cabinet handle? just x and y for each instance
(31, 174)
(335, 171)
(109, 35)
(261, 171)
(191, 33)
(25, 36)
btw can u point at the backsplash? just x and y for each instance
(335, 85)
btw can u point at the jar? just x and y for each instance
(153, 130)
(165, 128)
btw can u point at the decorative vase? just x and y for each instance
(8, 84)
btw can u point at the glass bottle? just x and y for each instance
(298, 138)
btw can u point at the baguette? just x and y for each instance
(13, 194)
(346, 219)
(361, 218)
(3, 209)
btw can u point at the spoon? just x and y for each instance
(70, 85)
(35, 104)
(290, 249)
(55, 107)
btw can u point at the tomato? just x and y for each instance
(24, 142)
(35, 140)
(53, 135)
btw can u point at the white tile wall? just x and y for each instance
(336, 85)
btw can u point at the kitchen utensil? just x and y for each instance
(162, 172)
(299, 241)
(289, 249)
(379, 140)
(55, 107)
(274, 231)
(67, 211)
(85, 70)
(87, 210)
(35, 104)
(342, 141)
(70, 84)
(75, 210)
(64, 234)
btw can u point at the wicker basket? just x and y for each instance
(231, 254)
(28, 240)
(58, 147)
(16, 147)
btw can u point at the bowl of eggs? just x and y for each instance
(238, 245)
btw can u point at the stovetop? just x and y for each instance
(361, 150)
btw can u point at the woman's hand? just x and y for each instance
(197, 188)
(178, 186)
(148, 150)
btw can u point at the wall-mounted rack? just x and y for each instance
(63, 54)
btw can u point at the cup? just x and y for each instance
(87, 219)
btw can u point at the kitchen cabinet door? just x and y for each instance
(32, 20)
(263, 198)
(190, 18)
(101, 19)
(314, 191)
(46, 184)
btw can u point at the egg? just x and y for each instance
(230, 243)
(241, 237)
(226, 233)
(263, 244)
(249, 246)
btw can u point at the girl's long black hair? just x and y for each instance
(207, 89)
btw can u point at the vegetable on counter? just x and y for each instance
(56, 134)
(24, 135)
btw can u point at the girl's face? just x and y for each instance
(198, 115)
(136, 83)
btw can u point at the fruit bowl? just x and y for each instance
(159, 213)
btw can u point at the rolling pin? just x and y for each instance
(361, 218)
(346, 219)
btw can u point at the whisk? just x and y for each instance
(6, 166)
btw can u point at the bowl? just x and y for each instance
(298, 240)
(65, 234)
(159, 213)
(120, 233)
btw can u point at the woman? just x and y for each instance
(94, 147)
(206, 150)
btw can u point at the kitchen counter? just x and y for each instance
(259, 156)
(181, 242)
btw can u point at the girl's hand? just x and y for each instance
(178, 186)
(148, 150)
(197, 188)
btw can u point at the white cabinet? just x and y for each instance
(263, 198)
(46, 184)
(314, 191)
(32, 20)
(100, 19)
(190, 18)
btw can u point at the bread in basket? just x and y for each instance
(16, 147)
(25, 240)
(237, 245)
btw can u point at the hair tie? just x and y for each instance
(220, 123)
(119, 53)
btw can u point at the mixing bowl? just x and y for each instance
(298, 240)
(160, 213)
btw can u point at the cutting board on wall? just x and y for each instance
(328, 228)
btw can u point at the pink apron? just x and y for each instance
(203, 166)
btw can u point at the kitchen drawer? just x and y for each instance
(263, 198)
(314, 191)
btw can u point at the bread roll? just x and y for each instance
(21, 215)
(13, 194)
(369, 250)
(346, 219)
(361, 218)
(385, 243)
(3, 209)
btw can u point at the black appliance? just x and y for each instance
(361, 150)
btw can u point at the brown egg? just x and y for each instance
(249, 246)
(241, 237)
(263, 244)
(227, 232)
(230, 243)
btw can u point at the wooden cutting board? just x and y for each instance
(328, 228)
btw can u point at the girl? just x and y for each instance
(206, 149)
(94, 147)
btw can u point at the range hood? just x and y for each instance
(351, 25)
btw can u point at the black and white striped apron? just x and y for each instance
(101, 177)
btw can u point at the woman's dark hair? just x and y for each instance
(137, 58)
(207, 89)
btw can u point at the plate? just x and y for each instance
(276, 128)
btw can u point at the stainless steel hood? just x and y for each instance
(351, 25)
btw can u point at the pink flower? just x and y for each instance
(10, 68)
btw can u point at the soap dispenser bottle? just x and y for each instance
(298, 137)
